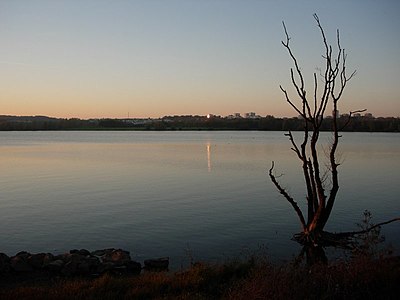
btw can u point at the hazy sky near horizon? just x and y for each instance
(149, 58)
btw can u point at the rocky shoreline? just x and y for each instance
(76, 263)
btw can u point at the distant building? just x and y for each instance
(137, 121)
(234, 116)
(250, 115)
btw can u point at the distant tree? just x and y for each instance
(321, 185)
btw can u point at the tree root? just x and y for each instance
(344, 240)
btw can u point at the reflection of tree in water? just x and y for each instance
(312, 255)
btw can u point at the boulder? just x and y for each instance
(84, 268)
(105, 267)
(102, 252)
(133, 267)
(157, 264)
(84, 252)
(118, 257)
(64, 257)
(75, 257)
(98, 252)
(5, 266)
(48, 258)
(55, 265)
(36, 260)
(77, 262)
(19, 263)
(119, 270)
(93, 263)
(70, 268)
(23, 254)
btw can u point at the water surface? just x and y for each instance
(178, 194)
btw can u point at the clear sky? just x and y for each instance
(148, 58)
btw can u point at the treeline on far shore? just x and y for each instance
(268, 123)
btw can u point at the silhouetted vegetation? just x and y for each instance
(268, 123)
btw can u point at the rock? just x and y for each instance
(61, 256)
(75, 257)
(84, 252)
(70, 268)
(93, 262)
(23, 254)
(84, 268)
(75, 263)
(19, 264)
(98, 252)
(55, 266)
(103, 251)
(133, 267)
(4, 258)
(36, 260)
(48, 258)
(119, 270)
(105, 267)
(157, 264)
(118, 257)
(5, 266)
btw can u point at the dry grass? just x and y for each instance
(360, 278)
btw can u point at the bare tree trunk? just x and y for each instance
(334, 80)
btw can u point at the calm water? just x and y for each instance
(178, 194)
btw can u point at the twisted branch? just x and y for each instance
(287, 197)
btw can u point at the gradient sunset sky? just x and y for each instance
(148, 58)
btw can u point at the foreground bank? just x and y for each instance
(361, 277)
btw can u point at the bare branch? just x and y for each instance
(295, 148)
(301, 92)
(315, 94)
(287, 197)
(350, 233)
(349, 118)
(291, 103)
(286, 45)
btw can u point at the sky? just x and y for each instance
(149, 58)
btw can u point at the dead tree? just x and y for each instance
(321, 191)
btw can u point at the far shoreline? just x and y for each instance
(195, 123)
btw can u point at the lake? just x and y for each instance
(201, 195)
